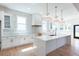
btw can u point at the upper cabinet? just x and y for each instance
(7, 21)
(36, 19)
(6, 24)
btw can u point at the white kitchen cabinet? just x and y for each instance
(17, 42)
(9, 42)
(9, 30)
(6, 21)
(68, 41)
(52, 44)
(46, 44)
(60, 42)
(29, 40)
(7, 25)
(26, 40)
(36, 19)
(23, 40)
(40, 47)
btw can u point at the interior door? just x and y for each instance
(0, 34)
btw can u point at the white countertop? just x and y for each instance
(47, 38)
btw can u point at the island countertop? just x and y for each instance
(48, 37)
(46, 44)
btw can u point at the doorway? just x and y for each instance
(0, 35)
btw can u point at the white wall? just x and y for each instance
(73, 21)
(14, 14)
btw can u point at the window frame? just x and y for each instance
(18, 24)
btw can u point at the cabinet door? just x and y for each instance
(16, 42)
(6, 21)
(60, 42)
(36, 19)
(28, 40)
(68, 39)
(10, 42)
(3, 44)
(6, 43)
(22, 40)
(51, 45)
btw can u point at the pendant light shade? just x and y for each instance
(54, 19)
(56, 16)
(61, 19)
(47, 16)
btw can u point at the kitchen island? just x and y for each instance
(46, 44)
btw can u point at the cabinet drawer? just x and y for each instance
(8, 45)
(7, 41)
(29, 40)
(17, 42)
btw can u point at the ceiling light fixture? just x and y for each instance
(51, 18)
(56, 16)
(47, 16)
(62, 20)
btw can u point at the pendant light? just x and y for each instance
(61, 19)
(56, 16)
(51, 18)
(56, 12)
(47, 16)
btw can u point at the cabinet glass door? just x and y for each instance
(7, 21)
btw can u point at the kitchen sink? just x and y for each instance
(52, 35)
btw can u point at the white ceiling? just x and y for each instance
(69, 9)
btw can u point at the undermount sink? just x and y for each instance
(52, 35)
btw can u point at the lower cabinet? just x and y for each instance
(6, 43)
(9, 42)
(68, 40)
(51, 45)
(61, 42)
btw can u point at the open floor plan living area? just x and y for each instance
(39, 29)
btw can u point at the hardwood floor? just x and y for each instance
(67, 50)
(14, 51)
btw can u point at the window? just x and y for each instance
(21, 25)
